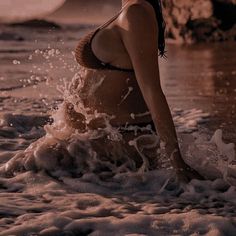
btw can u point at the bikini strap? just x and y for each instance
(94, 32)
(112, 19)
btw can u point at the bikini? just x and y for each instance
(85, 57)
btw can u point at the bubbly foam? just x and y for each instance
(73, 189)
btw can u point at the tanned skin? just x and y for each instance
(140, 35)
(130, 41)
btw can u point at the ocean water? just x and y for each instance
(52, 182)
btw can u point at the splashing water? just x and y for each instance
(64, 147)
(65, 150)
(61, 183)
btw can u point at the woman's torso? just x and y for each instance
(118, 93)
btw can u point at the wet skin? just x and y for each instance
(125, 45)
(118, 95)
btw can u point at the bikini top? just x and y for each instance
(85, 56)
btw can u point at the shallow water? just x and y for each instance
(203, 76)
(46, 193)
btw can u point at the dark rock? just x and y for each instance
(227, 1)
(178, 13)
(225, 11)
(231, 34)
(200, 20)
(203, 29)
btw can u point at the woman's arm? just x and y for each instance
(140, 39)
(140, 36)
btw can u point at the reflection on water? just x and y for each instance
(203, 76)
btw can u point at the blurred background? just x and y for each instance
(187, 21)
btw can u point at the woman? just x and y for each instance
(123, 52)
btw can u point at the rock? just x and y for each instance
(200, 20)
(178, 13)
(231, 34)
(225, 11)
(226, 1)
(203, 29)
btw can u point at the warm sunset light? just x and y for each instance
(117, 117)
